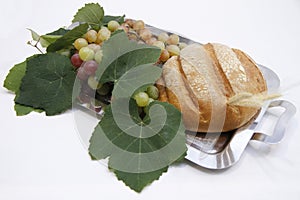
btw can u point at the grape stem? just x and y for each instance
(35, 45)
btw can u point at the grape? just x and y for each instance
(124, 27)
(145, 34)
(113, 25)
(94, 47)
(159, 44)
(138, 25)
(130, 22)
(98, 56)
(90, 67)
(93, 83)
(76, 61)
(182, 45)
(163, 37)
(85, 89)
(173, 50)
(164, 56)
(151, 40)
(79, 43)
(84, 98)
(133, 36)
(103, 34)
(173, 39)
(142, 99)
(85, 54)
(146, 110)
(91, 36)
(81, 74)
(152, 92)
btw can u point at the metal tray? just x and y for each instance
(222, 150)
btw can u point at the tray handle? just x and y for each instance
(280, 126)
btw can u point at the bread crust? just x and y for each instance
(201, 80)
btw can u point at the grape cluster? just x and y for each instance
(169, 44)
(88, 55)
(144, 98)
(86, 59)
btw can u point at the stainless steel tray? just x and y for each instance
(222, 150)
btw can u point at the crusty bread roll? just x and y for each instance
(203, 79)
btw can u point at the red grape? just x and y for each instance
(81, 74)
(76, 61)
(90, 67)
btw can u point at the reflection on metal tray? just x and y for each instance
(222, 150)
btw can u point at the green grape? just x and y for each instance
(163, 37)
(164, 56)
(145, 34)
(86, 54)
(151, 41)
(103, 34)
(138, 25)
(173, 39)
(94, 47)
(91, 36)
(152, 92)
(79, 43)
(173, 50)
(98, 56)
(93, 83)
(142, 99)
(182, 45)
(113, 25)
(159, 44)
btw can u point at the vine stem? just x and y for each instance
(36, 45)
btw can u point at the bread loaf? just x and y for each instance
(202, 83)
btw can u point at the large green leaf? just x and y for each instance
(48, 83)
(91, 13)
(120, 54)
(140, 150)
(67, 40)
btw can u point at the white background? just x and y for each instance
(42, 157)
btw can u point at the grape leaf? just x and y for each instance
(22, 110)
(91, 13)
(120, 54)
(132, 157)
(44, 40)
(137, 181)
(13, 82)
(60, 31)
(48, 83)
(67, 40)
